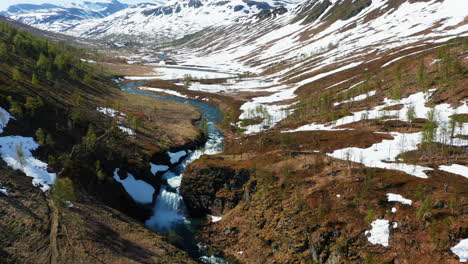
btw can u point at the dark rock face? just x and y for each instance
(259, 5)
(271, 13)
(212, 190)
(166, 10)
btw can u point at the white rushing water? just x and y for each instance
(169, 209)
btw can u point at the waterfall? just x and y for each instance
(169, 211)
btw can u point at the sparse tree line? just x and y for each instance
(448, 68)
(41, 89)
(50, 62)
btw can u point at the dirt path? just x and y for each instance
(54, 222)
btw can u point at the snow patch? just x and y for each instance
(456, 169)
(3, 190)
(157, 168)
(215, 219)
(398, 198)
(357, 98)
(16, 152)
(88, 61)
(176, 156)
(4, 118)
(381, 154)
(127, 130)
(159, 90)
(139, 190)
(109, 111)
(379, 233)
(461, 250)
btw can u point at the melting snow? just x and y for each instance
(139, 190)
(88, 61)
(4, 118)
(380, 154)
(159, 90)
(398, 198)
(3, 190)
(170, 73)
(456, 169)
(416, 101)
(461, 250)
(127, 130)
(109, 111)
(176, 156)
(357, 98)
(157, 168)
(16, 152)
(379, 233)
(215, 219)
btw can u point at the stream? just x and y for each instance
(170, 215)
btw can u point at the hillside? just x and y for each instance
(60, 146)
(339, 118)
(329, 131)
(310, 188)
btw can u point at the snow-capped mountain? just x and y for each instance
(173, 19)
(61, 18)
(329, 31)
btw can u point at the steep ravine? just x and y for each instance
(170, 215)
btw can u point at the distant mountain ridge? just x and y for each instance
(152, 21)
(173, 19)
(60, 18)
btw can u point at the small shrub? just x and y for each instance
(425, 207)
(370, 214)
(41, 137)
(63, 190)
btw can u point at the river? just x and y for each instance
(170, 215)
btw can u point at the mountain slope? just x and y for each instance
(62, 18)
(172, 20)
(58, 141)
